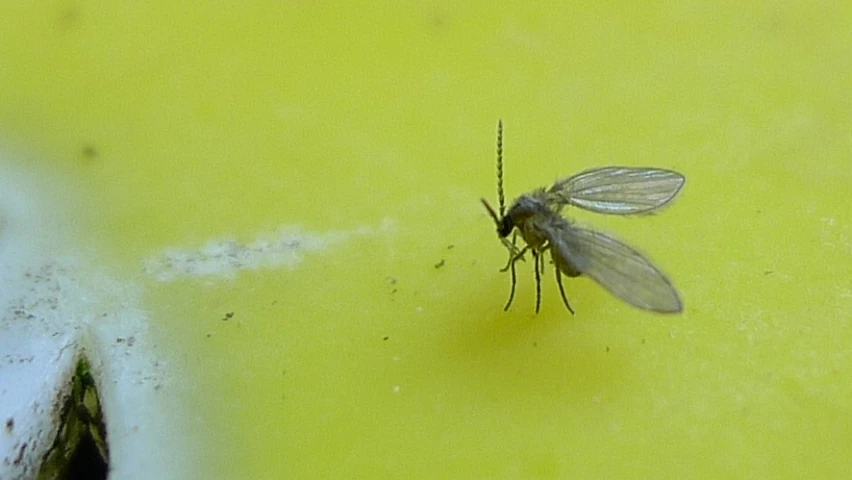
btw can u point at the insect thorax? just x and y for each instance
(528, 214)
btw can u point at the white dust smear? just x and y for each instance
(224, 258)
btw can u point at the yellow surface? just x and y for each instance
(181, 125)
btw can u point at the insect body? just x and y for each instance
(575, 250)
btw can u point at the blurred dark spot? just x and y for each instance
(89, 153)
(69, 18)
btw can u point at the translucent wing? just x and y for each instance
(617, 190)
(623, 271)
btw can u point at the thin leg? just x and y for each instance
(511, 292)
(562, 290)
(510, 265)
(514, 257)
(537, 281)
(511, 246)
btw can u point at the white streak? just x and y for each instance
(226, 257)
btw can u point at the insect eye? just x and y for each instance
(506, 226)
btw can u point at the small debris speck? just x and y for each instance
(440, 264)
(228, 316)
(385, 338)
(10, 424)
(89, 152)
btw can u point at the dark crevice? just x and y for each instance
(86, 461)
(80, 449)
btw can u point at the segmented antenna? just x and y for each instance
(500, 168)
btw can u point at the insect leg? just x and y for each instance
(512, 247)
(510, 265)
(514, 257)
(537, 281)
(562, 289)
(512, 291)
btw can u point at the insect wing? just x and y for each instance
(618, 190)
(623, 271)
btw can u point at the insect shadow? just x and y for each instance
(574, 250)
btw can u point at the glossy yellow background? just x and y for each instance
(182, 124)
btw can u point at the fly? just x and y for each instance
(574, 250)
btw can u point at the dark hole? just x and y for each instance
(86, 462)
